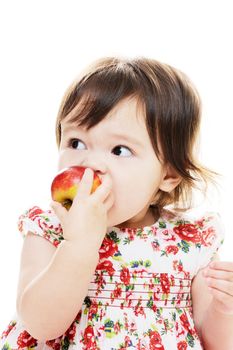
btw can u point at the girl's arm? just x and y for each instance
(213, 307)
(51, 299)
(53, 284)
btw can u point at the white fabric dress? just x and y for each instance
(139, 297)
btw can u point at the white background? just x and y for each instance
(44, 45)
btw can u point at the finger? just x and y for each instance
(85, 185)
(59, 210)
(102, 192)
(222, 265)
(221, 285)
(109, 202)
(218, 274)
(220, 295)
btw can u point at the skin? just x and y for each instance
(131, 175)
(130, 167)
(123, 199)
(212, 294)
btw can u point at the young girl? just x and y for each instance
(119, 270)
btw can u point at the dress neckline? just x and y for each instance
(164, 215)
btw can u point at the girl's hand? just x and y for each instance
(219, 278)
(87, 217)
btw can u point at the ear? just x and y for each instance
(170, 179)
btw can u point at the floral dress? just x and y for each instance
(139, 297)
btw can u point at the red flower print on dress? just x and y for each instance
(169, 235)
(155, 245)
(188, 232)
(165, 284)
(107, 266)
(11, 326)
(20, 225)
(138, 297)
(185, 323)
(78, 317)
(25, 341)
(128, 341)
(89, 338)
(200, 223)
(117, 327)
(71, 331)
(33, 212)
(208, 236)
(125, 276)
(172, 249)
(155, 341)
(54, 344)
(139, 310)
(93, 309)
(116, 292)
(140, 346)
(182, 345)
(56, 243)
(178, 266)
(108, 248)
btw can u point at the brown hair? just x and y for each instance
(172, 114)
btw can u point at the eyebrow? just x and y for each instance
(127, 138)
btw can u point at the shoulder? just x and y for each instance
(204, 228)
(41, 222)
(204, 232)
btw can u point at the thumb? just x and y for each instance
(59, 210)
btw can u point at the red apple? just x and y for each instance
(65, 185)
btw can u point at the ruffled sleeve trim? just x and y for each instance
(212, 237)
(41, 223)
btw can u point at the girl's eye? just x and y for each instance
(76, 144)
(122, 151)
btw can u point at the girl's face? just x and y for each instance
(119, 147)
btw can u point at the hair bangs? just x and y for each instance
(97, 94)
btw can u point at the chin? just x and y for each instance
(117, 220)
(133, 219)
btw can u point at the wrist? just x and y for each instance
(81, 249)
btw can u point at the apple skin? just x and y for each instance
(65, 185)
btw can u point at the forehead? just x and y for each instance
(127, 115)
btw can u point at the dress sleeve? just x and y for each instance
(212, 237)
(41, 223)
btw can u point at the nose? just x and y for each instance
(96, 163)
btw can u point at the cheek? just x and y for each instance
(65, 159)
(129, 201)
(139, 179)
(137, 189)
